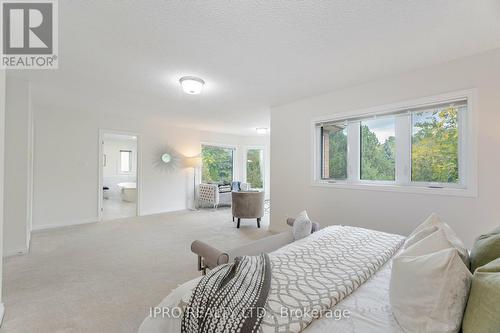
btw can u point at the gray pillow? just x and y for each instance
(302, 226)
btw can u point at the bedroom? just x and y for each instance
(369, 115)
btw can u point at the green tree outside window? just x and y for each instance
(434, 148)
(434, 151)
(378, 150)
(217, 164)
(255, 168)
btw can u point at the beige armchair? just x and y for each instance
(248, 205)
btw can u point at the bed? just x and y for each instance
(365, 309)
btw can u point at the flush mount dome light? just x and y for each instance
(191, 84)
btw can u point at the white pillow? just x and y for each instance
(429, 282)
(434, 221)
(428, 293)
(427, 241)
(302, 226)
(414, 238)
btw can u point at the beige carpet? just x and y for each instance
(115, 208)
(104, 277)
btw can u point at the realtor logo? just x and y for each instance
(29, 34)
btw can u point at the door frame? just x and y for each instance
(102, 132)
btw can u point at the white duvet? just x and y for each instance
(366, 310)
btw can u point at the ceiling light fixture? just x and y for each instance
(261, 130)
(191, 84)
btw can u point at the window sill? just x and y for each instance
(415, 189)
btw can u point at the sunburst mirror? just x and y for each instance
(167, 159)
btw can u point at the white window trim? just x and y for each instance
(244, 165)
(467, 155)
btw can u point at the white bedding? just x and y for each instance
(368, 306)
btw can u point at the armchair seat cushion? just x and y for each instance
(225, 188)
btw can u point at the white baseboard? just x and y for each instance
(65, 224)
(19, 251)
(15, 253)
(2, 312)
(96, 219)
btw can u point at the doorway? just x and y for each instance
(118, 175)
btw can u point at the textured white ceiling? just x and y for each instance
(126, 56)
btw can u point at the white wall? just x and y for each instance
(394, 212)
(111, 171)
(17, 166)
(66, 163)
(2, 136)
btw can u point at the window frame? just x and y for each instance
(130, 159)
(467, 185)
(322, 153)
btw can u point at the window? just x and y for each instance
(217, 164)
(334, 151)
(255, 168)
(378, 149)
(125, 161)
(423, 146)
(434, 145)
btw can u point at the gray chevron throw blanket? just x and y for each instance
(309, 277)
(230, 298)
